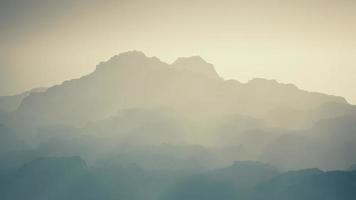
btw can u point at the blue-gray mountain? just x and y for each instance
(58, 178)
(139, 128)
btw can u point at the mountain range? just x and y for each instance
(189, 86)
(139, 128)
(140, 106)
(70, 178)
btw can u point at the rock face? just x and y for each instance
(189, 86)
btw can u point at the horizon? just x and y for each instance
(177, 99)
(306, 43)
(170, 63)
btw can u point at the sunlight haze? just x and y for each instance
(308, 43)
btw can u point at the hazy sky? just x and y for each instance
(310, 43)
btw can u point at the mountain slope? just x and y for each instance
(309, 185)
(189, 86)
(11, 103)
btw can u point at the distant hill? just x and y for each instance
(48, 178)
(352, 167)
(70, 178)
(11, 103)
(135, 108)
(333, 139)
(189, 86)
(309, 185)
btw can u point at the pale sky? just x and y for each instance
(310, 43)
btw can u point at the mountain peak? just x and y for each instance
(130, 55)
(131, 58)
(197, 65)
(134, 53)
(191, 59)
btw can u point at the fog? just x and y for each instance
(243, 100)
(180, 126)
(291, 41)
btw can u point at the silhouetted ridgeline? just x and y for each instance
(189, 86)
(139, 128)
(70, 178)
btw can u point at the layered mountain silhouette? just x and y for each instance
(189, 86)
(135, 104)
(71, 178)
(11, 103)
(139, 128)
